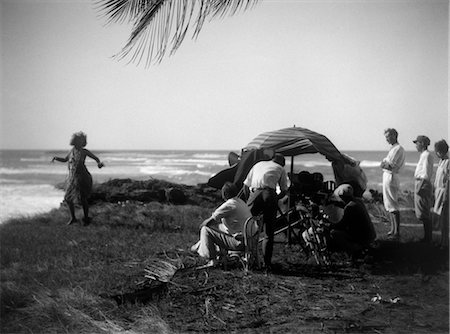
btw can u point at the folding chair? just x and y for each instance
(250, 256)
(252, 230)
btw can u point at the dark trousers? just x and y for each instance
(422, 203)
(265, 201)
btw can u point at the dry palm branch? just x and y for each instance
(157, 274)
(161, 270)
(161, 25)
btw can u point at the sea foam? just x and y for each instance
(22, 200)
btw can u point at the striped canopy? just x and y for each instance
(296, 141)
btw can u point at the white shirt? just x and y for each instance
(424, 168)
(442, 173)
(267, 174)
(395, 158)
(232, 214)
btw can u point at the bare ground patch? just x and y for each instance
(397, 288)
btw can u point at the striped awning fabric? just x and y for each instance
(294, 141)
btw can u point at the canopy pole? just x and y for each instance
(289, 202)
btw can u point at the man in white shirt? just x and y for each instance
(223, 230)
(391, 166)
(423, 190)
(261, 185)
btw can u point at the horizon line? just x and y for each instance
(173, 149)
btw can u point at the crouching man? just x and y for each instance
(223, 230)
(354, 232)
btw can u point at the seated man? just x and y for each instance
(223, 229)
(354, 231)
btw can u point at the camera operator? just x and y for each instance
(261, 183)
(354, 231)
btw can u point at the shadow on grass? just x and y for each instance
(385, 258)
(390, 257)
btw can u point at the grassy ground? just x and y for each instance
(72, 279)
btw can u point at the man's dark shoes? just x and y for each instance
(394, 237)
(70, 222)
(272, 268)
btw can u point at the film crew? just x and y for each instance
(441, 191)
(348, 171)
(261, 184)
(423, 190)
(391, 166)
(354, 232)
(223, 230)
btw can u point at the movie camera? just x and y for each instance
(308, 196)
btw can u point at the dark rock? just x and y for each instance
(175, 196)
(153, 190)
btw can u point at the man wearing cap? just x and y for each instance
(391, 166)
(355, 231)
(260, 185)
(423, 190)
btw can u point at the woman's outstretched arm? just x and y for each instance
(65, 159)
(93, 156)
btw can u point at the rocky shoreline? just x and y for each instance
(154, 190)
(162, 191)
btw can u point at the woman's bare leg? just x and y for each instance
(86, 219)
(71, 207)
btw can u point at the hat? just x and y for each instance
(422, 139)
(279, 159)
(344, 190)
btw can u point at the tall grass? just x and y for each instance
(54, 277)
(57, 278)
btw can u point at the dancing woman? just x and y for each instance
(79, 182)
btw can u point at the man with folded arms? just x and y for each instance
(391, 166)
(423, 190)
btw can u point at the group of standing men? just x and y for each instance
(423, 187)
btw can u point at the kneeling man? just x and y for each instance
(223, 230)
(355, 231)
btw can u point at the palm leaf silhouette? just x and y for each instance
(160, 26)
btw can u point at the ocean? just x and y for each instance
(28, 178)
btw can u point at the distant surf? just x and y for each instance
(28, 179)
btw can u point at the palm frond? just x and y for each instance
(161, 270)
(162, 25)
(120, 11)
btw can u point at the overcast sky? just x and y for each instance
(346, 69)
